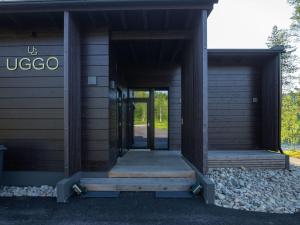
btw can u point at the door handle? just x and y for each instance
(148, 124)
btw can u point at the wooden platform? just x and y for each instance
(168, 164)
(166, 171)
(159, 171)
(246, 158)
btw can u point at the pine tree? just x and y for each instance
(289, 60)
(296, 17)
(290, 124)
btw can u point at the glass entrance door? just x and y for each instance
(161, 119)
(148, 119)
(140, 125)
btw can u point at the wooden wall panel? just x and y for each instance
(95, 101)
(194, 96)
(32, 106)
(234, 119)
(72, 95)
(271, 104)
(114, 76)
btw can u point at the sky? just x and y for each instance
(246, 23)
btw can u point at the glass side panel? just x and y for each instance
(161, 119)
(140, 126)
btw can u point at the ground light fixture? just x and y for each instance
(78, 189)
(196, 188)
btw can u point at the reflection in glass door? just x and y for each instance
(140, 125)
(161, 119)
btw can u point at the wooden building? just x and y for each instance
(83, 83)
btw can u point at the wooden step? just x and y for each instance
(137, 184)
(150, 173)
(243, 158)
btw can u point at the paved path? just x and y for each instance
(130, 209)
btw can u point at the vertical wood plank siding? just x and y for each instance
(271, 105)
(72, 96)
(194, 86)
(31, 105)
(234, 119)
(95, 100)
(114, 76)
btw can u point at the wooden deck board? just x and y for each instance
(246, 158)
(166, 164)
(146, 171)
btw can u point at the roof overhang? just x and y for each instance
(9, 6)
(257, 57)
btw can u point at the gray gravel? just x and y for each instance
(13, 191)
(259, 190)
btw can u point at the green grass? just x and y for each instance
(293, 153)
(139, 122)
(163, 125)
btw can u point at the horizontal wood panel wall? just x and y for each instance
(95, 101)
(31, 105)
(162, 77)
(234, 119)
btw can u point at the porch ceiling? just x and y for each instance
(160, 34)
(175, 24)
(138, 19)
(120, 20)
(152, 52)
(17, 22)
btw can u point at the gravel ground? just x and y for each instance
(260, 190)
(42, 191)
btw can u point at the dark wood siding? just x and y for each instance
(271, 104)
(113, 107)
(31, 106)
(162, 77)
(234, 118)
(72, 96)
(194, 96)
(95, 101)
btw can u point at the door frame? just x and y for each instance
(150, 117)
(120, 121)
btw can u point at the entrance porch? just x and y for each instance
(169, 172)
(145, 170)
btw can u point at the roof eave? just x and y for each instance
(80, 5)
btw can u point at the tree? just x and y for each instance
(296, 17)
(161, 109)
(290, 124)
(282, 37)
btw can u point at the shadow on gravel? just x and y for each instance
(129, 209)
